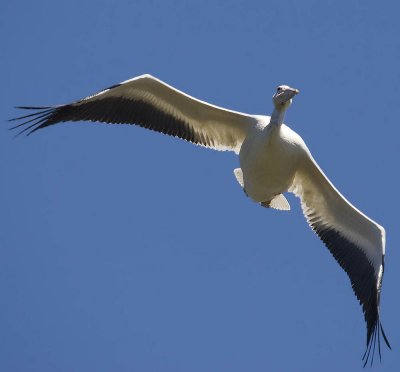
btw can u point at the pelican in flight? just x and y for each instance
(273, 160)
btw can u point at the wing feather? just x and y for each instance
(150, 103)
(356, 242)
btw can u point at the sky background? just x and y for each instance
(126, 250)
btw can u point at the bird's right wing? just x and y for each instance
(356, 242)
(153, 104)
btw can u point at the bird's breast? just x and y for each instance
(268, 159)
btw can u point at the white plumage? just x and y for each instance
(273, 160)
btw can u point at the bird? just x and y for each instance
(273, 160)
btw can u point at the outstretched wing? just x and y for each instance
(151, 103)
(356, 242)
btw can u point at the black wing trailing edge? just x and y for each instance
(363, 281)
(110, 110)
(37, 118)
(152, 104)
(356, 242)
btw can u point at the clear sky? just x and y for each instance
(126, 250)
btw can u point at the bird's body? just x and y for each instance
(268, 159)
(273, 159)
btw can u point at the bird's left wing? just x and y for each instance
(356, 242)
(150, 103)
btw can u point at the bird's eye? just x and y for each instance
(279, 89)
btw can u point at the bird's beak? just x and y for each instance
(281, 97)
(291, 93)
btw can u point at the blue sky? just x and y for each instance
(126, 250)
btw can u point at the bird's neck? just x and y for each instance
(277, 116)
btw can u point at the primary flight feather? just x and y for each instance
(273, 160)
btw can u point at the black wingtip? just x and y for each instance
(385, 338)
(37, 119)
(30, 115)
(373, 338)
(33, 107)
(379, 344)
(373, 348)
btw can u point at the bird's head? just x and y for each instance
(282, 99)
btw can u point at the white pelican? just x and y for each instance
(273, 159)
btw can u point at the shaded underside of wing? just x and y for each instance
(355, 241)
(150, 103)
(354, 261)
(113, 110)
